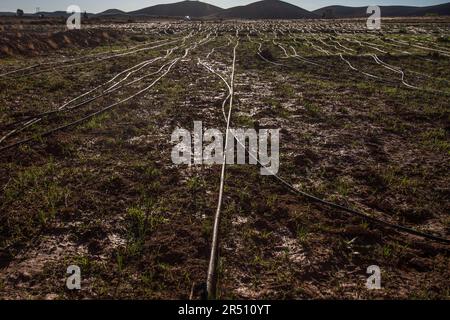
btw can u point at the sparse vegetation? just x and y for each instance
(100, 190)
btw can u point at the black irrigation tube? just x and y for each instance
(325, 68)
(56, 112)
(212, 270)
(363, 215)
(91, 115)
(360, 214)
(76, 106)
(211, 284)
(381, 80)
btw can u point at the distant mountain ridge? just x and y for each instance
(386, 11)
(111, 12)
(180, 9)
(265, 9)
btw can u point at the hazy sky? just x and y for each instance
(129, 5)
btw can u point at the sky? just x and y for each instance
(96, 6)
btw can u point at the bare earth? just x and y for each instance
(364, 120)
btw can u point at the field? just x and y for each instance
(86, 176)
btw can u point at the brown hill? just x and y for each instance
(266, 9)
(180, 9)
(386, 11)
